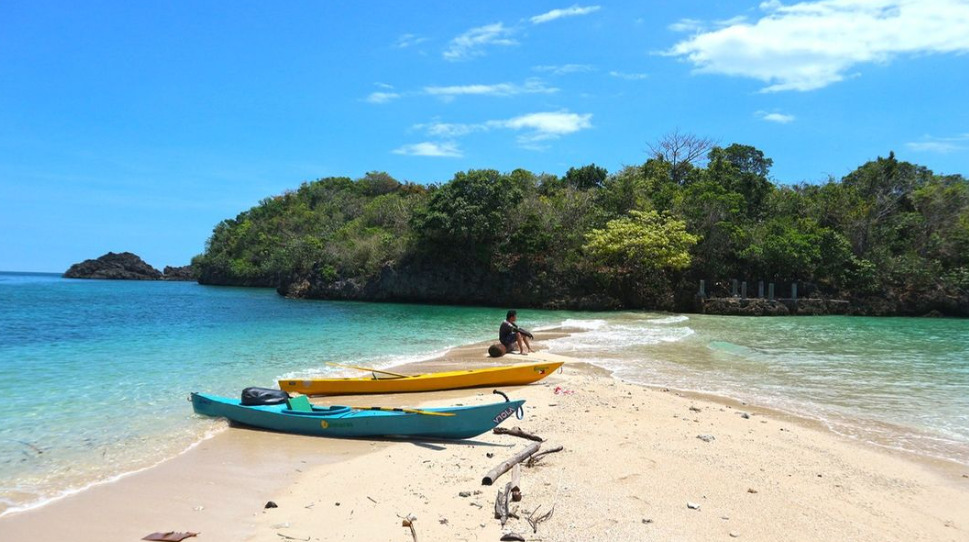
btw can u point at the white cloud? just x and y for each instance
(565, 69)
(545, 126)
(940, 145)
(409, 40)
(532, 86)
(451, 130)
(382, 97)
(567, 12)
(473, 42)
(427, 148)
(810, 45)
(687, 25)
(780, 118)
(448, 93)
(629, 76)
(534, 127)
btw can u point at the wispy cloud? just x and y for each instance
(533, 127)
(940, 145)
(427, 148)
(810, 45)
(687, 25)
(629, 76)
(409, 40)
(452, 92)
(473, 42)
(450, 130)
(567, 12)
(382, 97)
(531, 86)
(565, 69)
(780, 118)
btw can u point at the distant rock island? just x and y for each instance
(125, 266)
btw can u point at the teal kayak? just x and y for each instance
(458, 422)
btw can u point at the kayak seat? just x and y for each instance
(300, 403)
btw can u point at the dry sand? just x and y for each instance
(632, 465)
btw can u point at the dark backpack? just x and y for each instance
(263, 396)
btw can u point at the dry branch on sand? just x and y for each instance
(533, 460)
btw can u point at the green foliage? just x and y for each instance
(887, 226)
(467, 215)
(642, 242)
(627, 190)
(743, 170)
(585, 177)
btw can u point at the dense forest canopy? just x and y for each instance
(640, 237)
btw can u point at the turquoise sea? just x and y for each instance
(94, 375)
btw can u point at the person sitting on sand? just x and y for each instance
(510, 335)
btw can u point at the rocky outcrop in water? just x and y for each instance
(185, 272)
(125, 266)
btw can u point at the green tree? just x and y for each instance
(642, 242)
(467, 215)
(585, 177)
(742, 169)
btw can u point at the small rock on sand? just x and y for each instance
(692, 506)
(706, 438)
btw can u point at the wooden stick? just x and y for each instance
(408, 521)
(504, 503)
(516, 476)
(533, 460)
(517, 432)
(502, 468)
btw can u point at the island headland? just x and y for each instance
(890, 238)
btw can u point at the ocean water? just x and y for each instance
(95, 375)
(901, 383)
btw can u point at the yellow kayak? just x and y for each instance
(509, 375)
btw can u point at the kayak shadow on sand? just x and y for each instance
(436, 444)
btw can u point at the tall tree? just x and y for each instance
(682, 151)
(585, 177)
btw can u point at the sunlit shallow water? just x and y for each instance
(95, 375)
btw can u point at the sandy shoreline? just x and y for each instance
(632, 462)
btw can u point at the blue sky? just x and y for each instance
(138, 126)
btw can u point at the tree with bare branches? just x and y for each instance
(683, 151)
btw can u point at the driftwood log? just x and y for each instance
(502, 511)
(533, 460)
(517, 432)
(503, 467)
